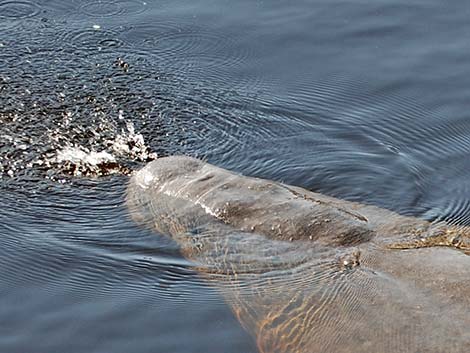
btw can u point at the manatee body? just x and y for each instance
(309, 273)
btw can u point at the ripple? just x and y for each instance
(353, 139)
(100, 8)
(339, 136)
(219, 70)
(112, 8)
(18, 9)
(177, 39)
(92, 40)
(214, 123)
(191, 49)
(235, 130)
(92, 242)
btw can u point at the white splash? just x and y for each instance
(130, 143)
(77, 155)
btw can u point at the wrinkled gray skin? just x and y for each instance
(308, 273)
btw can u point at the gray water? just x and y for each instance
(361, 100)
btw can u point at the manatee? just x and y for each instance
(304, 272)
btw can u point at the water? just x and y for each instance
(365, 101)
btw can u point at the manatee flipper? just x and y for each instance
(305, 272)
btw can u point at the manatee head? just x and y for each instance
(164, 170)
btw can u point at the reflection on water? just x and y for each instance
(363, 101)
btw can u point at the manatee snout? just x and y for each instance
(163, 170)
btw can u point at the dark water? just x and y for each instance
(362, 100)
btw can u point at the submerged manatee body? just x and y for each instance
(308, 273)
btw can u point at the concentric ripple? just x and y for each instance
(92, 40)
(172, 38)
(100, 8)
(112, 8)
(192, 50)
(18, 9)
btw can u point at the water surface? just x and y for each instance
(365, 101)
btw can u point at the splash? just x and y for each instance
(81, 161)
